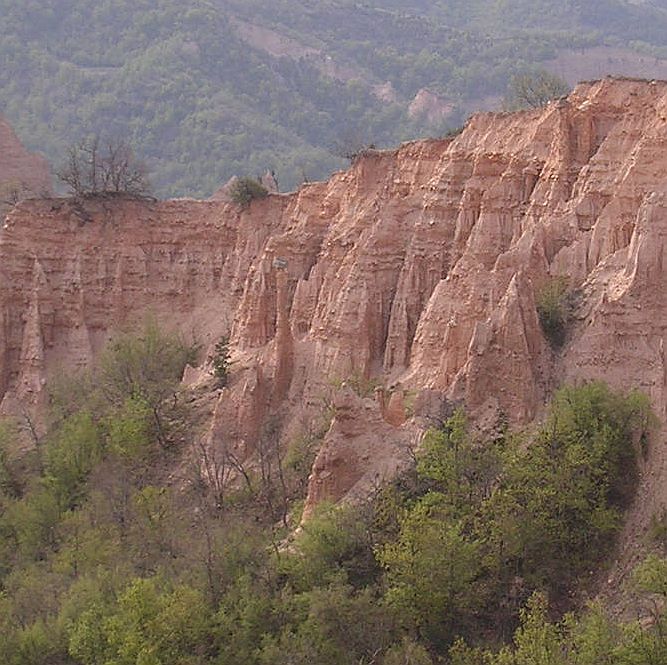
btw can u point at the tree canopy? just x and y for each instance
(206, 90)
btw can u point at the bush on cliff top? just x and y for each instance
(245, 190)
(534, 90)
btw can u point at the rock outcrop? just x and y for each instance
(386, 295)
(428, 106)
(20, 170)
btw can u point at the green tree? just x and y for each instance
(559, 502)
(128, 429)
(537, 641)
(148, 626)
(71, 455)
(338, 627)
(590, 638)
(31, 523)
(146, 368)
(248, 615)
(464, 470)
(11, 483)
(431, 570)
(408, 652)
(333, 546)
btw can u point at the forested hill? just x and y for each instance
(205, 89)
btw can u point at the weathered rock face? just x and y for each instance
(71, 274)
(386, 294)
(19, 168)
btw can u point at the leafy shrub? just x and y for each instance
(11, 483)
(70, 457)
(461, 469)
(128, 430)
(354, 152)
(341, 628)
(453, 132)
(332, 546)
(658, 529)
(245, 190)
(364, 387)
(299, 459)
(552, 304)
(408, 652)
(147, 625)
(431, 570)
(651, 575)
(591, 638)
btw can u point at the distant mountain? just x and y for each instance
(207, 89)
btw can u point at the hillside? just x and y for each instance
(459, 342)
(206, 90)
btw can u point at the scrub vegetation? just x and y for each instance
(469, 557)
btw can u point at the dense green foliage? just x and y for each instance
(499, 521)
(107, 559)
(593, 639)
(199, 104)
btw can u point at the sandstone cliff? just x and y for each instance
(385, 295)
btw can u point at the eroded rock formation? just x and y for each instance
(385, 295)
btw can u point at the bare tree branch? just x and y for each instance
(95, 169)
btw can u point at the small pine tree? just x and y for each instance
(221, 361)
